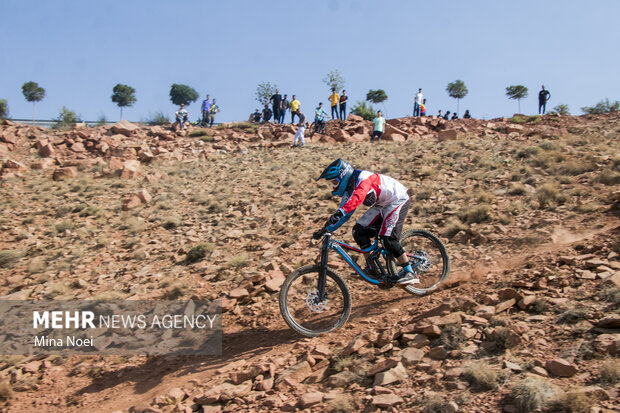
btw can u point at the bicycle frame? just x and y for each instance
(332, 244)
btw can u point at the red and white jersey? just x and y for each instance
(373, 189)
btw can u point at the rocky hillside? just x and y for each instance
(528, 208)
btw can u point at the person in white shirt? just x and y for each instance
(417, 101)
(379, 122)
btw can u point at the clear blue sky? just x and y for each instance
(78, 51)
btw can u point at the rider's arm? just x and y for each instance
(360, 192)
(334, 227)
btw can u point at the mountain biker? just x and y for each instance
(388, 201)
(319, 117)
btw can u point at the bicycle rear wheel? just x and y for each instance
(428, 257)
(301, 309)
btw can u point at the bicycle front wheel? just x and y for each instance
(428, 257)
(304, 312)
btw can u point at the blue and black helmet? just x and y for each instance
(340, 172)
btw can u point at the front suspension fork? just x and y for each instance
(323, 268)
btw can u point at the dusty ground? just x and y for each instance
(528, 209)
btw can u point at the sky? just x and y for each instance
(78, 50)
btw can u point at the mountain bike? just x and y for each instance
(314, 299)
(317, 127)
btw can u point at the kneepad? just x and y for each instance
(392, 245)
(362, 234)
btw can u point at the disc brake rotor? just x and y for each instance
(313, 303)
(422, 260)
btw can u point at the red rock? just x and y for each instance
(432, 331)
(607, 343)
(310, 399)
(395, 374)
(382, 365)
(144, 196)
(447, 135)
(47, 151)
(78, 147)
(560, 367)
(386, 400)
(68, 172)
(131, 201)
(43, 163)
(239, 293)
(11, 164)
(124, 127)
(131, 169)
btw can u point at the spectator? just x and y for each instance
(467, 115)
(319, 116)
(256, 116)
(284, 108)
(276, 104)
(439, 115)
(206, 107)
(423, 108)
(343, 105)
(417, 101)
(295, 105)
(214, 109)
(299, 135)
(266, 114)
(454, 116)
(543, 98)
(447, 115)
(181, 116)
(334, 98)
(379, 122)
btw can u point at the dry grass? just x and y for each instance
(8, 258)
(609, 372)
(239, 261)
(199, 252)
(532, 393)
(6, 391)
(481, 376)
(547, 194)
(573, 402)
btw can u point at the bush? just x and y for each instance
(199, 252)
(8, 258)
(159, 118)
(561, 109)
(609, 372)
(573, 402)
(480, 376)
(531, 394)
(66, 119)
(477, 214)
(608, 177)
(547, 194)
(364, 110)
(4, 109)
(604, 106)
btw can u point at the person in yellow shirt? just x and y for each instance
(334, 99)
(294, 105)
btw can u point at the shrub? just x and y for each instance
(8, 258)
(4, 109)
(159, 118)
(200, 132)
(436, 404)
(531, 394)
(480, 376)
(561, 109)
(451, 336)
(604, 106)
(364, 110)
(609, 372)
(608, 177)
(547, 194)
(573, 315)
(199, 252)
(239, 261)
(573, 402)
(6, 392)
(176, 290)
(516, 188)
(477, 214)
(66, 119)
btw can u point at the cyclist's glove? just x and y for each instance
(336, 217)
(318, 234)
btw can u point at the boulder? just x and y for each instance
(131, 169)
(124, 127)
(68, 172)
(411, 355)
(310, 399)
(342, 379)
(447, 135)
(384, 401)
(47, 151)
(607, 344)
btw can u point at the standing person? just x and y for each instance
(343, 105)
(299, 135)
(284, 107)
(295, 105)
(388, 201)
(266, 114)
(467, 115)
(276, 104)
(334, 98)
(423, 108)
(214, 109)
(181, 116)
(206, 107)
(417, 101)
(379, 122)
(543, 98)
